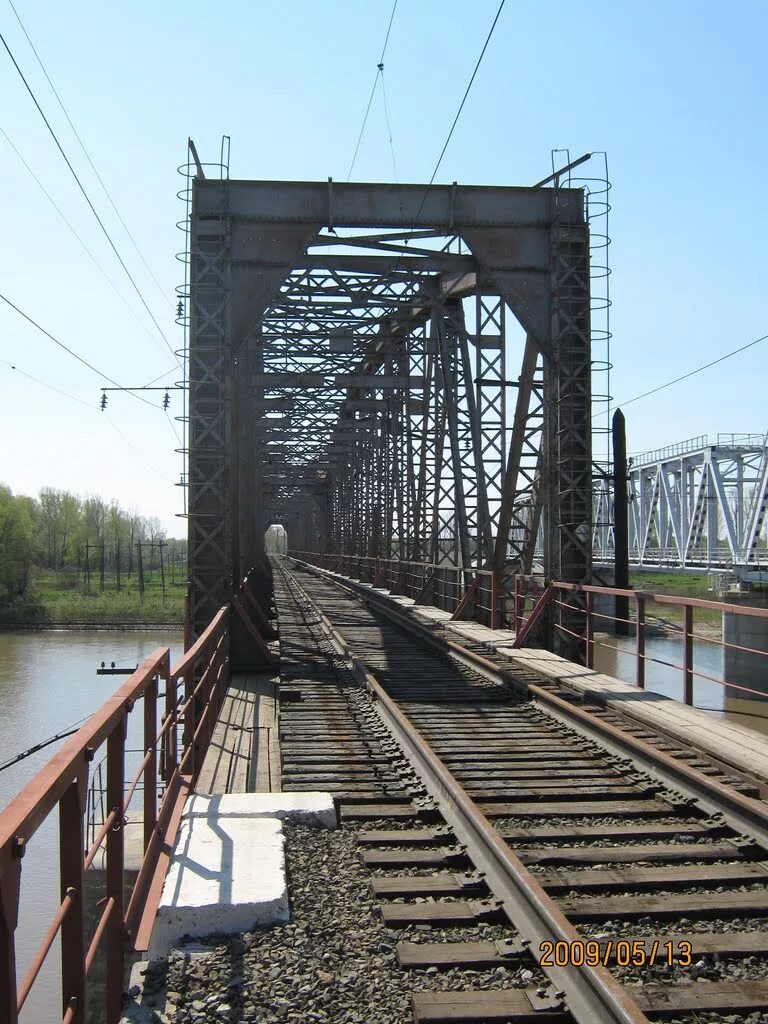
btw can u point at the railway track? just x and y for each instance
(596, 870)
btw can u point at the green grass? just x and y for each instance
(678, 585)
(58, 598)
(681, 584)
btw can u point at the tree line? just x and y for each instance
(60, 530)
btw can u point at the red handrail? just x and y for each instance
(202, 675)
(520, 606)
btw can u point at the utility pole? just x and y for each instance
(620, 521)
(162, 570)
(140, 567)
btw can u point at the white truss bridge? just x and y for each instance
(699, 504)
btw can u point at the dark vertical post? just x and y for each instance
(688, 654)
(115, 864)
(640, 625)
(171, 737)
(117, 564)
(10, 885)
(187, 626)
(140, 567)
(150, 772)
(162, 569)
(87, 573)
(102, 554)
(71, 844)
(620, 522)
(518, 605)
(589, 632)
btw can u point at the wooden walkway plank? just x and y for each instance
(244, 756)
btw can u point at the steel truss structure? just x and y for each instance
(698, 504)
(349, 375)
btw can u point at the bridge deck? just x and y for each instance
(244, 756)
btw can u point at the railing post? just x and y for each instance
(589, 637)
(150, 771)
(71, 846)
(494, 600)
(518, 609)
(10, 887)
(640, 639)
(115, 938)
(189, 715)
(170, 747)
(688, 654)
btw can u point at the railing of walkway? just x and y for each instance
(584, 615)
(463, 592)
(174, 748)
(587, 610)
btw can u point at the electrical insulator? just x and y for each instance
(180, 309)
(166, 400)
(103, 401)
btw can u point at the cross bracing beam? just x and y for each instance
(387, 342)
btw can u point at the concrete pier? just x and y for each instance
(746, 668)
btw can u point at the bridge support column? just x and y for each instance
(746, 668)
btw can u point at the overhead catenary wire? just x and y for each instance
(66, 348)
(74, 231)
(45, 384)
(691, 373)
(458, 112)
(379, 74)
(102, 413)
(88, 156)
(87, 198)
(137, 450)
(389, 129)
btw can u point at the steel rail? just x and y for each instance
(590, 993)
(744, 814)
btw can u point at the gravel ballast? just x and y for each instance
(334, 962)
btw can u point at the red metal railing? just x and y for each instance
(572, 611)
(471, 593)
(194, 690)
(579, 608)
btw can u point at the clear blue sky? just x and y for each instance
(674, 92)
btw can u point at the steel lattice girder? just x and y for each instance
(696, 504)
(357, 314)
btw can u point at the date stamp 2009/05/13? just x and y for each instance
(622, 952)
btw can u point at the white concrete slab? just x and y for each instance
(311, 808)
(227, 875)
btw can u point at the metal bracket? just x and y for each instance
(512, 947)
(545, 999)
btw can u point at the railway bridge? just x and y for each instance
(389, 779)
(391, 372)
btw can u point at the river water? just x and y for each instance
(615, 656)
(48, 682)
